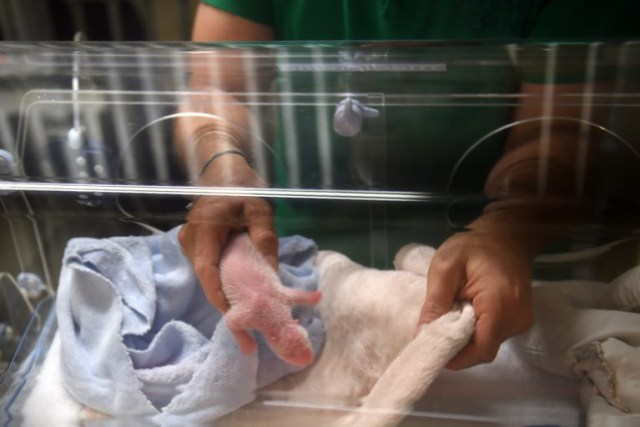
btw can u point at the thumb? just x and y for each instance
(261, 231)
(267, 244)
(266, 241)
(443, 282)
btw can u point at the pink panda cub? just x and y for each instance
(258, 301)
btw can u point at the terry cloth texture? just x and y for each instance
(367, 373)
(374, 364)
(370, 362)
(591, 330)
(139, 338)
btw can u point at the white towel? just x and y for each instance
(371, 369)
(590, 330)
(372, 372)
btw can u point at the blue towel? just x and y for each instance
(139, 338)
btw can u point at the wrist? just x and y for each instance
(532, 222)
(217, 156)
(229, 170)
(510, 231)
(207, 141)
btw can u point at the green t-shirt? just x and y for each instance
(410, 147)
(439, 19)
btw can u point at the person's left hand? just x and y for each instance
(492, 271)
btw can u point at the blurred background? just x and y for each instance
(98, 20)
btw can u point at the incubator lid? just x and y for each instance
(102, 113)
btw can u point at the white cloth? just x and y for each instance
(49, 403)
(370, 317)
(591, 330)
(371, 369)
(372, 373)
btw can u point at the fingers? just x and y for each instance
(503, 309)
(259, 222)
(203, 246)
(203, 238)
(488, 271)
(445, 278)
(484, 344)
(209, 224)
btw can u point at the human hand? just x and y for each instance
(212, 219)
(492, 271)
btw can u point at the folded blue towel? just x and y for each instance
(139, 337)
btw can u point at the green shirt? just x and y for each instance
(409, 147)
(440, 19)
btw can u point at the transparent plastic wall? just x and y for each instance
(365, 146)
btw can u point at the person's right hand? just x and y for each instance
(492, 270)
(212, 219)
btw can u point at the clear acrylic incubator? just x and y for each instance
(371, 154)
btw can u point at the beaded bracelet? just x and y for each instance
(220, 154)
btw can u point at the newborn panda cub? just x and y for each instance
(258, 301)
